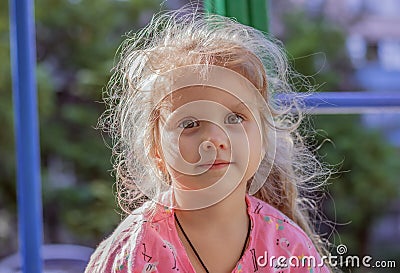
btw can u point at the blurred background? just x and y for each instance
(345, 45)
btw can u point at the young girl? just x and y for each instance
(217, 166)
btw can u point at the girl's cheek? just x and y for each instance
(188, 148)
(252, 142)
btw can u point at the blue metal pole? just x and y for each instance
(23, 62)
(345, 102)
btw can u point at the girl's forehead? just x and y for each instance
(191, 87)
(193, 82)
(191, 94)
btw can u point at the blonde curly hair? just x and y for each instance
(179, 38)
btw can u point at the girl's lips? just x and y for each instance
(216, 165)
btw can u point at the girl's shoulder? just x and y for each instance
(261, 209)
(122, 243)
(276, 235)
(270, 220)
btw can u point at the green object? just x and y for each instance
(249, 12)
(240, 10)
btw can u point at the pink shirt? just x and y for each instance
(144, 243)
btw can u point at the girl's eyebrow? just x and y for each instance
(241, 105)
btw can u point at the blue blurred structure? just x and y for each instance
(346, 102)
(23, 62)
(56, 258)
(375, 76)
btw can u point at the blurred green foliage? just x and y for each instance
(316, 49)
(76, 43)
(369, 181)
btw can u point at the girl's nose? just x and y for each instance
(214, 136)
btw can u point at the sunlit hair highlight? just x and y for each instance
(180, 38)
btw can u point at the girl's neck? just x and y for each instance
(231, 210)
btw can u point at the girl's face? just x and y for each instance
(211, 136)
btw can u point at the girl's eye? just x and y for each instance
(188, 123)
(234, 118)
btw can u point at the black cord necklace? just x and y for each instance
(197, 254)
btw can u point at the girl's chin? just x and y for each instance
(197, 185)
